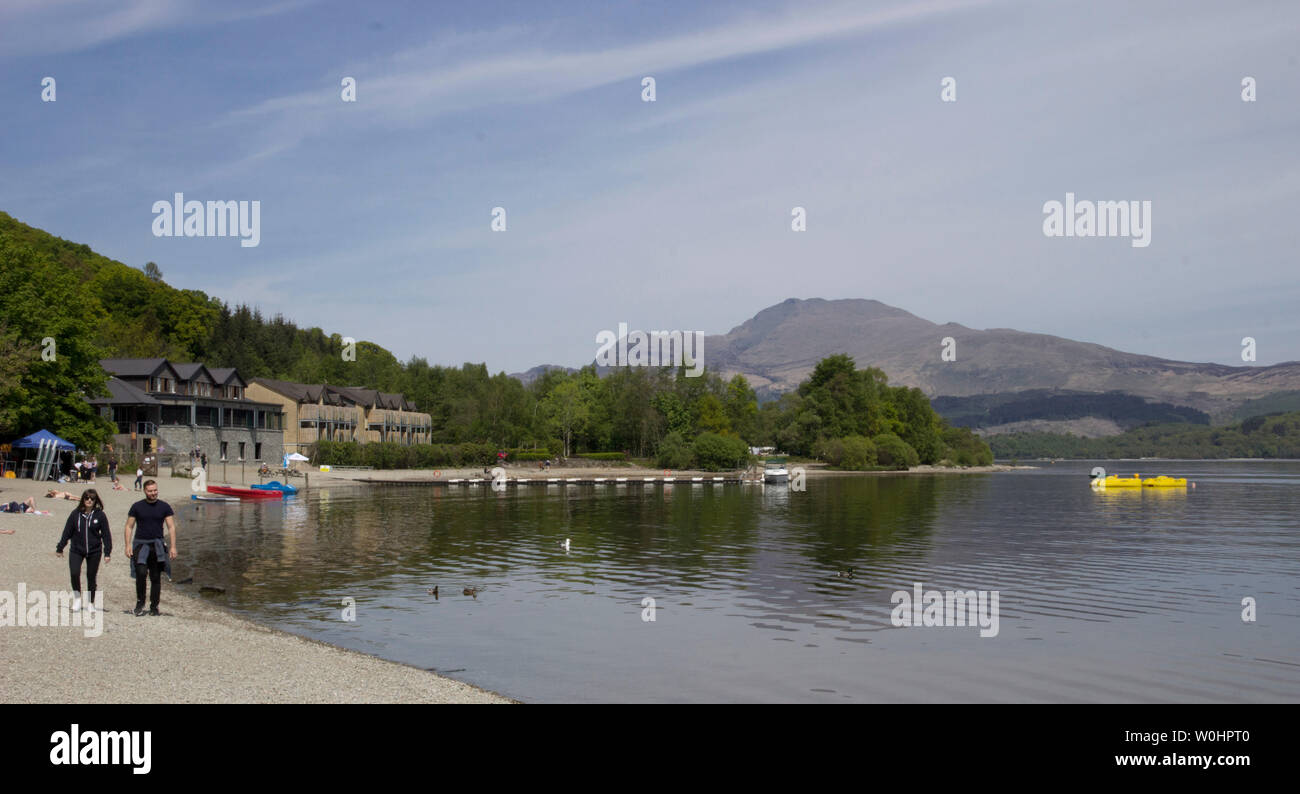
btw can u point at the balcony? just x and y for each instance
(335, 414)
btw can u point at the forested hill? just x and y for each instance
(137, 315)
(1274, 436)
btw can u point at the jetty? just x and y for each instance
(565, 481)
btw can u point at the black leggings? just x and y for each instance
(92, 570)
(154, 568)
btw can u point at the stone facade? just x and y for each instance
(180, 439)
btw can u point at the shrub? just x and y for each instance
(965, 448)
(830, 450)
(603, 455)
(674, 452)
(715, 452)
(859, 454)
(894, 453)
(530, 455)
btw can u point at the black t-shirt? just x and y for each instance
(149, 518)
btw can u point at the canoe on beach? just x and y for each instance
(276, 485)
(244, 493)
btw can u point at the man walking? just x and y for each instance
(149, 554)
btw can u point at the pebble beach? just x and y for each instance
(195, 651)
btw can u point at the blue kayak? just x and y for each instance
(275, 485)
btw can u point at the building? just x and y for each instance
(316, 412)
(171, 408)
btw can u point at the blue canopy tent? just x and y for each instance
(34, 441)
(45, 464)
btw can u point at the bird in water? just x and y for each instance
(564, 544)
(845, 574)
(433, 591)
(472, 591)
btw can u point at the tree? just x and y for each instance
(894, 452)
(566, 411)
(674, 452)
(152, 271)
(714, 452)
(48, 311)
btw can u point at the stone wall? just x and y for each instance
(180, 439)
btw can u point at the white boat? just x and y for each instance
(775, 471)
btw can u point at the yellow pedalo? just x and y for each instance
(1136, 481)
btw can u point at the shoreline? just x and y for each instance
(537, 476)
(201, 652)
(205, 652)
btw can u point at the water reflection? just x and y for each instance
(741, 571)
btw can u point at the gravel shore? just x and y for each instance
(197, 652)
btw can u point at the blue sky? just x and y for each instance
(676, 214)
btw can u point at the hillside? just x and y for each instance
(1275, 436)
(779, 346)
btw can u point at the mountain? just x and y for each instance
(534, 373)
(780, 345)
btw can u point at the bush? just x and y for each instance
(859, 454)
(965, 448)
(893, 452)
(528, 455)
(715, 452)
(854, 453)
(830, 450)
(674, 452)
(603, 456)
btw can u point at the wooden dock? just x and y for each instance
(567, 481)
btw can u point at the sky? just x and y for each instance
(376, 215)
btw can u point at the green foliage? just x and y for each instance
(859, 454)
(603, 455)
(1128, 410)
(714, 452)
(40, 300)
(675, 452)
(1275, 436)
(893, 452)
(964, 448)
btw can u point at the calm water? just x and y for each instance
(1123, 596)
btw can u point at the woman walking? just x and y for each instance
(87, 529)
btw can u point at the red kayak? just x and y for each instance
(244, 493)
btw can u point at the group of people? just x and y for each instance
(148, 547)
(86, 469)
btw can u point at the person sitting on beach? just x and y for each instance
(53, 494)
(28, 505)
